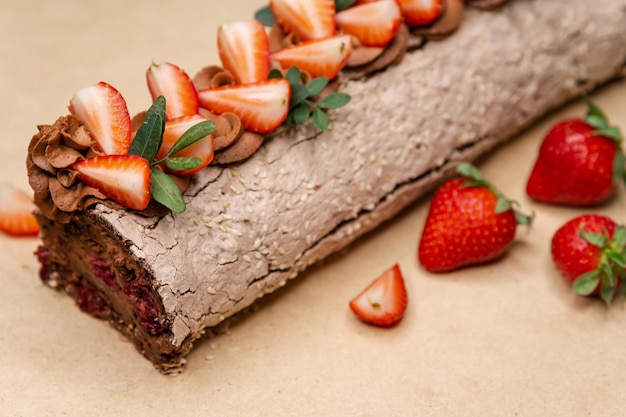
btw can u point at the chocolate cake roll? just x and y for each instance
(250, 227)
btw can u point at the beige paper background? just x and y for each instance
(504, 339)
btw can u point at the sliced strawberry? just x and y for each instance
(384, 301)
(170, 81)
(122, 178)
(323, 57)
(16, 212)
(262, 106)
(244, 50)
(420, 12)
(103, 111)
(306, 18)
(373, 24)
(202, 149)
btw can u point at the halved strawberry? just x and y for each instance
(373, 24)
(103, 111)
(244, 50)
(309, 19)
(122, 178)
(323, 57)
(261, 106)
(202, 149)
(384, 301)
(16, 212)
(170, 81)
(420, 12)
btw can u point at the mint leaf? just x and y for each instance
(274, 73)
(165, 191)
(320, 119)
(298, 94)
(293, 76)
(265, 16)
(182, 163)
(334, 101)
(343, 4)
(301, 114)
(317, 85)
(191, 136)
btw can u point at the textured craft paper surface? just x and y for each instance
(506, 338)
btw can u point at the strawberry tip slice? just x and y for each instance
(383, 302)
(16, 212)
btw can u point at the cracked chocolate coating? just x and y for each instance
(305, 195)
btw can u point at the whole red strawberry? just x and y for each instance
(469, 222)
(580, 162)
(590, 252)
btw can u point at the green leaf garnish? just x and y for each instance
(265, 16)
(191, 136)
(317, 85)
(335, 100)
(182, 163)
(274, 73)
(298, 94)
(293, 76)
(165, 191)
(343, 4)
(301, 114)
(148, 141)
(149, 136)
(320, 119)
(303, 104)
(157, 107)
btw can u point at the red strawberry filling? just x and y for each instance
(103, 284)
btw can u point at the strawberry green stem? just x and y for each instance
(611, 269)
(476, 178)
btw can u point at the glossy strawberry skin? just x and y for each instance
(462, 227)
(573, 256)
(574, 166)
